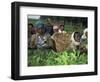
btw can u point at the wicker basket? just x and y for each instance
(61, 41)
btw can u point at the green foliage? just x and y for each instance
(46, 57)
(33, 21)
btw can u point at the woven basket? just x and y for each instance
(61, 41)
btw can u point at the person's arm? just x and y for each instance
(32, 42)
(49, 41)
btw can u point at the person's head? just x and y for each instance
(55, 28)
(30, 26)
(76, 38)
(40, 27)
(85, 34)
(61, 27)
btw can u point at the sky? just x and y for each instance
(33, 16)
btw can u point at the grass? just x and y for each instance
(46, 57)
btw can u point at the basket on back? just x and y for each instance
(61, 41)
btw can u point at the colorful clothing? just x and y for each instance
(41, 41)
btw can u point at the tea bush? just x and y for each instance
(46, 57)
